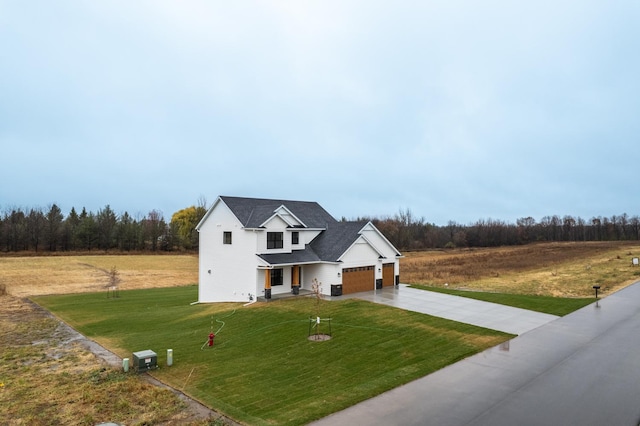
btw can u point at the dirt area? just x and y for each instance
(51, 374)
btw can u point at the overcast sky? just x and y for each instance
(455, 110)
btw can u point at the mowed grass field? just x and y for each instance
(263, 369)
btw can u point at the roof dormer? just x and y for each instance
(286, 216)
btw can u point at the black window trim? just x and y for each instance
(277, 276)
(275, 240)
(226, 240)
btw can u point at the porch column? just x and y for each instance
(295, 279)
(267, 283)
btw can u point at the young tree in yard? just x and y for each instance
(114, 281)
(316, 288)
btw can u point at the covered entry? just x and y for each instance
(358, 279)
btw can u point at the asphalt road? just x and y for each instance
(581, 369)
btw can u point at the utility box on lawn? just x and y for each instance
(145, 360)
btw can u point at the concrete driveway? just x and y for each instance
(581, 369)
(461, 309)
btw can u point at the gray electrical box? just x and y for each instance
(145, 360)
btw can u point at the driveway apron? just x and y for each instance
(581, 369)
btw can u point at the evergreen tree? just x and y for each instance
(53, 227)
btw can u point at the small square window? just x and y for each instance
(295, 237)
(226, 237)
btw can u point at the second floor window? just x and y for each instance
(295, 237)
(274, 240)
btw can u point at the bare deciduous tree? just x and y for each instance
(114, 281)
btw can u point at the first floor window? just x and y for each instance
(226, 237)
(277, 277)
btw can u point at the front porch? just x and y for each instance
(279, 296)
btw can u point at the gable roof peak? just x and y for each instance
(254, 212)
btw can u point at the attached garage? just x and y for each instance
(359, 279)
(388, 275)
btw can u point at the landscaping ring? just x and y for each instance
(319, 337)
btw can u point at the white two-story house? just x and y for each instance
(251, 247)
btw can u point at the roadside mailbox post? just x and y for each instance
(596, 288)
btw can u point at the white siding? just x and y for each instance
(325, 273)
(362, 254)
(274, 225)
(230, 273)
(275, 289)
(227, 271)
(381, 244)
(306, 236)
(288, 217)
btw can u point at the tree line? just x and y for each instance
(407, 232)
(49, 230)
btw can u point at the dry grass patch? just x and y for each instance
(47, 377)
(550, 269)
(29, 276)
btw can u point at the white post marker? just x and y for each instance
(169, 357)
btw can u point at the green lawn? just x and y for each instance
(550, 305)
(263, 369)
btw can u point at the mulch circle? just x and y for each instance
(319, 337)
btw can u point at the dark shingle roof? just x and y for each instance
(253, 212)
(296, 257)
(326, 247)
(334, 242)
